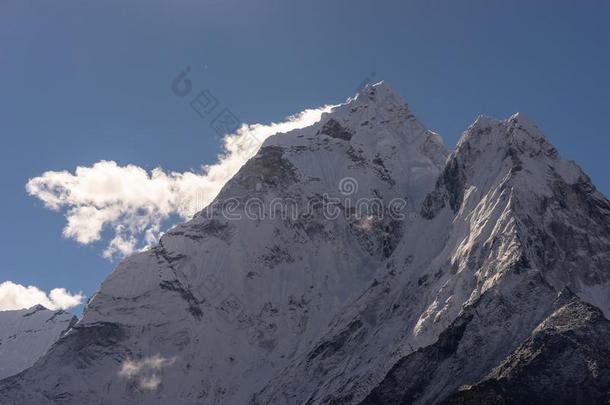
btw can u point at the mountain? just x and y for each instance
(508, 227)
(357, 261)
(565, 361)
(27, 334)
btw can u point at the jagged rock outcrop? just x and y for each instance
(566, 360)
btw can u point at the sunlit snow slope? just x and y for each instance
(289, 289)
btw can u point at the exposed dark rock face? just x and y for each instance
(268, 167)
(211, 227)
(409, 378)
(575, 215)
(334, 345)
(565, 361)
(186, 294)
(449, 190)
(333, 129)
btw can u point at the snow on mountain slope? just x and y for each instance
(227, 299)
(26, 335)
(563, 361)
(566, 360)
(346, 262)
(491, 239)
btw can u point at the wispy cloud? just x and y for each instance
(16, 296)
(134, 203)
(146, 372)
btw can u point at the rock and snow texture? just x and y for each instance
(27, 334)
(565, 361)
(285, 292)
(507, 227)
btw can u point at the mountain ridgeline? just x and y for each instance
(358, 261)
(26, 335)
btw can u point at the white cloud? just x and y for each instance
(17, 296)
(133, 203)
(146, 373)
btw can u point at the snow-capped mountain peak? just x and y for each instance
(300, 284)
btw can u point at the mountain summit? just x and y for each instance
(357, 261)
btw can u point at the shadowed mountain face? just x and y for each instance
(566, 360)
(26, 335)
(357, 261)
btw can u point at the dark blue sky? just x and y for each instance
(83, 81)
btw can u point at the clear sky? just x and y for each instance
(85, 81)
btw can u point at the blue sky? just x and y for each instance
(86, 81)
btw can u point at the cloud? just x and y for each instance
(134, 203)
(16, 296)
(146, 373)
